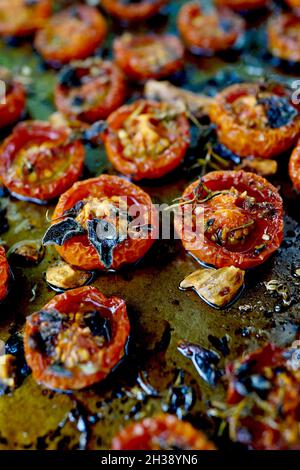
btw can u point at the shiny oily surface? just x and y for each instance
(154, 376)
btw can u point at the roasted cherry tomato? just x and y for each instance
(254, 120)
(284, 37)
(208, 32)
(163, 432)
(4, 274)
(23, 17)
(148, 55)
(260, 385)
(71, 34)
(90, 90)
(95, 227)
(294, 167)
(15, 98)
(133, 10)
(76, 339)
(243, 5)
(39, 162)
(146, 139)
(236, 219)
(295, 4)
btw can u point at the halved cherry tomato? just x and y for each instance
(295, 4)
(210, 32)
(254, 120)
(15, 98)
(39, 162)
(76, 339)
(71, 34)
(90, 90)
(105, 203)
(236, 219)
(135, 10)
(294, 167)
(243, 5)
(146, 139)
(23, 17)
(263, 399)
(162, 432)
(148, 55)
(284, 37)
(4, 274)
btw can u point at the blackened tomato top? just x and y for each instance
(76, 339)
(90, 90)
(256, 120)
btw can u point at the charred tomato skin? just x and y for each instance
(269, 362)
(128, 55)
(14, 106)
(281, 43)
(12, 22)
(159, 431)
(294, 167)
(31, 134)
(4, 274)
(114, 96)
(167, 161)
(78, 251)
(135, 12)
(73, 301)
(220, 256)
(247, 141)
(243, 5)
(196, 39)
(71, 34)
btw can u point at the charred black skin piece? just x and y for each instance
(204, 360)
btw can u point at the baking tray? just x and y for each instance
(153, 376)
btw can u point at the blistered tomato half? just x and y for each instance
(255, 120)
(231, 218)
(76, 339)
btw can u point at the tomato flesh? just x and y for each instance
(71, 34)
(260, 384)
(253, 120)
(38, 162)
(242, 221)
(208, 32)
(294, 167)
(163, 432)
(284, 37)
(4, 274)
(76, 339)
(133, 10)
(90, 90)
(100, 199)
(146, 139)
(148, 56)
(20, 18)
